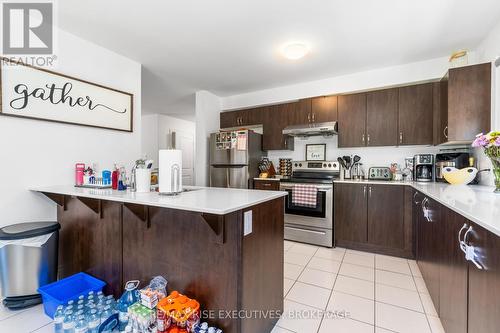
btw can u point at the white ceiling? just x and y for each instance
(231, 47)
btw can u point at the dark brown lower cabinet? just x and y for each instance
(371, 217)
(350, 213)
(452, 275)
(484, 283)
(430, 237)
(466, 297)
(385, 216)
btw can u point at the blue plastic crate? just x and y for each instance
(60, 292)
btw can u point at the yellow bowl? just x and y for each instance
(463, 176)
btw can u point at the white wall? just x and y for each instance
(489, 50)
(38, 153)
(149, 133)
(208, 107)
(370, 156)
(384, 77)
(396, 75)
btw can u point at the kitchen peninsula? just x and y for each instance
(222, 246)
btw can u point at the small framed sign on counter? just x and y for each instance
(316, 152)
(38, 93)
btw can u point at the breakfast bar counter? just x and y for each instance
(223, 247)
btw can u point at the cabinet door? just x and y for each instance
(301, 114)
(469, 102)
(382, 118)
(352, 120)
(430, 240)
(453, 276)
(229, 119)
(275, 121)
(350, 209)
(416, 115)
(324, 109)
(484, 284)
(386, 216)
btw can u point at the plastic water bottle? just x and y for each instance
(81, 325)
(69, 323)
(94, 321)
(58, 319)
(129, 297)
(105, 315)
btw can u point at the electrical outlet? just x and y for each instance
(247, 223)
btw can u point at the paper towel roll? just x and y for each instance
(170, 171)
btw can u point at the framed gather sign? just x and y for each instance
(37, 93)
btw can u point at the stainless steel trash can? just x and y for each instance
(28, 260)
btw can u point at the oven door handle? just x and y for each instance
(305, 230)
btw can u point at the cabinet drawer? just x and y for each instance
(271, 185)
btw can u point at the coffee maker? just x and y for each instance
(423, 166)
(457, 160)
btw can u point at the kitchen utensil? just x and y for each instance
(356, 159)
(342, 162)
(347, 160)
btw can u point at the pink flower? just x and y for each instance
(497, 142)
(480, 141)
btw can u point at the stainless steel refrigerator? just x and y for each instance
(234, 158)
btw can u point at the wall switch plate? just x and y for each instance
(247, 223)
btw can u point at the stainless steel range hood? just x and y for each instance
(314, 129)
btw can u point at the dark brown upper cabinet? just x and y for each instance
(465, 108)
(324, 109)
(301, 113)
(241, 118)
(415, 124)
(382, 118)
(352, 120)
(276, 118)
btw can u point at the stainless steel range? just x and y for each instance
(307, 224)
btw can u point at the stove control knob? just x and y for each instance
(300, 164)
(329, 165)
(324, 165)
(296, 164)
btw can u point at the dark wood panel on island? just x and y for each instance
(205, 256)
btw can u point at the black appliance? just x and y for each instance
(457, 160)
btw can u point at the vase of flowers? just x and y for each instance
(491, 144)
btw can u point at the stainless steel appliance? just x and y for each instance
(28, 260)
(457, 160)
(312, 129)
(312, 225)
(424, 167)
(379, 173)
(234, 158)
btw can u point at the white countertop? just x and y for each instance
(212, 200)
(477, 203)
(271, 179)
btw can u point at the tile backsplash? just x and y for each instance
(370, 156)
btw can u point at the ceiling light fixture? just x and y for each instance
(295, 51)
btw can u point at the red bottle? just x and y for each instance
(114, 179)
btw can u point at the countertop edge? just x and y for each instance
(272, 196)
(421, 188)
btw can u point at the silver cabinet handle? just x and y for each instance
(309, 117)
(472, 255)
(368, 139)
(401, 137)
(445, 132)
(314, 117)
(364, 191)
(363, 138)
(370, 191)
(309, 231)
(414, 196)
(461, 243)
(425, 209)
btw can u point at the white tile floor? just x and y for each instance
(368, 293)
(326, 290)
